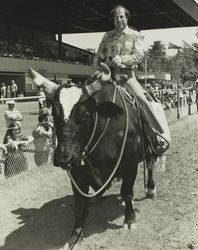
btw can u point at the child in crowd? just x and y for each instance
(43, 134)
(15, 141)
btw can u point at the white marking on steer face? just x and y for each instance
(68, 98)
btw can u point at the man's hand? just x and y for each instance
(116, 61)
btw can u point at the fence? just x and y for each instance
(39, 152)
(180, 102)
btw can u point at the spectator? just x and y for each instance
(12, 114)
(185, 97)
(3, 91)
(43, 135)
(3, 151)
(42, 100)
(8, 91)
(196, 93)
(15, 161)
(168, 105)
(13, 89)
(180, 95)
(156, 86)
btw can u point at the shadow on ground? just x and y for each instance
(49, 227)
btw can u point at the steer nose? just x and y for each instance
(62, 159)
(58, 157)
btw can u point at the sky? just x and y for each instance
(173, 35)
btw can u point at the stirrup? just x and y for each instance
(158, 147)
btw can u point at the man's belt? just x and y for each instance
(122, 71)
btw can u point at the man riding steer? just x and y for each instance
(99, 137)
(121, 49)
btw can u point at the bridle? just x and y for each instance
(88, 151)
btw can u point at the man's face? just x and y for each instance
(120, 19)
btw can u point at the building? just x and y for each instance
(41, 52)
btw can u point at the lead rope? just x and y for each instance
(117, 164)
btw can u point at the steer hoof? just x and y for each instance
(75, 240)
(151, 193)
(131, 226)
(66, 247)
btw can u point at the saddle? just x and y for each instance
(158, 143)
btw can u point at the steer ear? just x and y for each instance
(109, 109)
(48, 86)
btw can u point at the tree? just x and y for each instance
(156, 57)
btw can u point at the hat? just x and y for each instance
(11, 102)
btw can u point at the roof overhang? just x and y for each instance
(79, 16)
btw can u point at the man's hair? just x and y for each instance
(118, 6)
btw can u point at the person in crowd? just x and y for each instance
(156, 86)
(13, 89)
(121, 49)
(3, 151)
(180, 95)
(185, 97)
(42, 100)
(43, 136)
(169, 105)
(12, 114)
(8, 91)
(15, 142)
(3, 91)
(196, 93)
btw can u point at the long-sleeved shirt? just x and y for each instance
(127, 44)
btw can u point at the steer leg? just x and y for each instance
(151, 188)
(81, 208)
(128, 180)
(151, 160)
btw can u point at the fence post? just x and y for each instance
(189, 101)
(178, 103)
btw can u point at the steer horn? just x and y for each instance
(106, 72)
(101, 78)
(48, 86)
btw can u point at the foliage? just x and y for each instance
(183, 66)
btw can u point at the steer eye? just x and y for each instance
(82, 118)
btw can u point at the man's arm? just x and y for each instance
(100, 56)
(137, 53)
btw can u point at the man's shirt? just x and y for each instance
(127, 44)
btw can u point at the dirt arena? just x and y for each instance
(36, 207)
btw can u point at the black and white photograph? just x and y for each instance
(99, 125)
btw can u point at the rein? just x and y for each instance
(121, 151)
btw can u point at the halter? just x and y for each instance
(86, 152)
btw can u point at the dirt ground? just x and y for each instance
(36, 207)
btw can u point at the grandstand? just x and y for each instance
(42, 52)
(28, 29)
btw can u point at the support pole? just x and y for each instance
(60, 45)
(189, 100)
(145, 71)
(178, 101)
